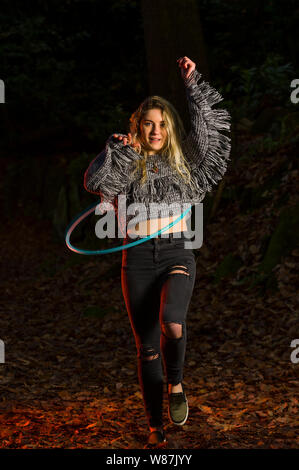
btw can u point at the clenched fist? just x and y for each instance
(186, 65)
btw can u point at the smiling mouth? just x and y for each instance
(154, 140)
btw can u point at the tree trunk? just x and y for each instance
(172, 29)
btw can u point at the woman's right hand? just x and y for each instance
(126, 140)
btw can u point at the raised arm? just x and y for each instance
(108, 174)
(206, 148)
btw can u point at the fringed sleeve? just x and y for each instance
(108, 174)
(206, 149)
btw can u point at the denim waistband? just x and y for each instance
(161, 238)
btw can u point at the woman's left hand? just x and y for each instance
(186, 65)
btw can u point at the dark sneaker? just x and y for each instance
(155, 440)
(178, 407)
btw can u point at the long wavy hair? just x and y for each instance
(175, 134)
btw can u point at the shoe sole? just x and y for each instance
(181, 423)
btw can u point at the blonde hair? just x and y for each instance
(175, 134)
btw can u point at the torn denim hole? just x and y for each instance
(148, 353)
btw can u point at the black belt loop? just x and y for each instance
(171, 238)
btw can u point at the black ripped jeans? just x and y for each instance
(156, 298)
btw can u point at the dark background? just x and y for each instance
(74, 71)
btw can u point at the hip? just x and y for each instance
(160, 251)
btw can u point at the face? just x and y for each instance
(153, 131)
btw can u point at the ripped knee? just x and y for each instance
(173, 330)
(148, 353)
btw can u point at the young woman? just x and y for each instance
(157, 163)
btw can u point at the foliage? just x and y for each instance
(250, 85)
(62, 64)
(251, 36)
(245, 32)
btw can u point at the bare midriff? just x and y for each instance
(149, 226)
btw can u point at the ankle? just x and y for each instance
(175, 388)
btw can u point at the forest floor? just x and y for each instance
(70, 374)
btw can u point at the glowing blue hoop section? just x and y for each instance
(77, 220)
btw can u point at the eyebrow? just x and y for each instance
(151, 120)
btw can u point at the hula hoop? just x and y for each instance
(78, 219)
